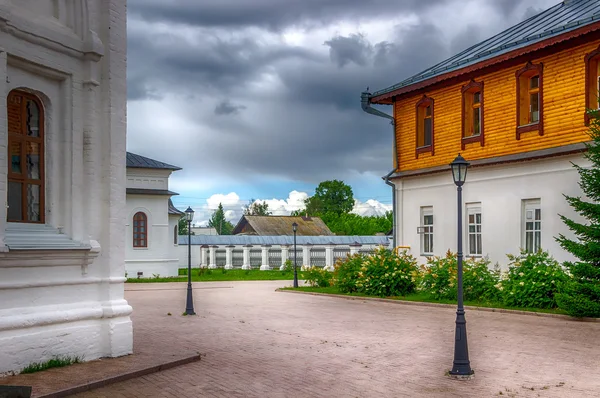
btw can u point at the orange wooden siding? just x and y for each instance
(563, 118)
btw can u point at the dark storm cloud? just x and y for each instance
(227, 108)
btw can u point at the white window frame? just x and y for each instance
(474, 229)
(532, 225)
(427, 230)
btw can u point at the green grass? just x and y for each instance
(56, 362)
(425, 298)
(220, 275)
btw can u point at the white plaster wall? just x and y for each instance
(159, 257)
(51, 303)
(500, 190)
(148, 178)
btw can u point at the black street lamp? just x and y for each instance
(461, 366)
(189, 305)
(295, 228)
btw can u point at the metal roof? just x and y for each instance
(281, 225)
(146, 191)
(142, 162)
(174, 210)
(564, 17)
(282, 240)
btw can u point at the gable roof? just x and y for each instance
(281, 226)
(142, 162)
(567, 17)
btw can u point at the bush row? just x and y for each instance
(532, 280)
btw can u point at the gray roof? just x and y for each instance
(282, 240)
(146, 191)
(564, 17)
(174, 210)
(142, 162)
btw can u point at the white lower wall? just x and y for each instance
(500, 190)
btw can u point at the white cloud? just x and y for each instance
(371, 207)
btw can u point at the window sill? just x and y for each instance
(424, 149)
(526, 128)
(472, 139)
(426, 254)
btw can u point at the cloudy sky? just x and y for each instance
(261, 98)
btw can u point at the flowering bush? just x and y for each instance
(386, 273)
(346, 272)
(439, 278)
(532, 280)
(316, 276)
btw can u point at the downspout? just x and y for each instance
(365, 98)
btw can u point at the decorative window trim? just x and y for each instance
(474, 209)
(136, 244)
(531, 205)
(530, 69)
(591, 59)
(426, 211)
(424, 103)
(23, 139)
(468, 89)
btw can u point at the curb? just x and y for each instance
(122, 377)
(441, 305)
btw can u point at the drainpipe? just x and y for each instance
(365, 103)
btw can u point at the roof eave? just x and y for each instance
(386, 98)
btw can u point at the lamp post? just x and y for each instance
(189, 305)
(295, 228)
(461, 366)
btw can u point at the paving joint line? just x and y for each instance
(443, 305)
(121, 377)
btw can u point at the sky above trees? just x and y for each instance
(261, 99)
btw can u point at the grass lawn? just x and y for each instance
(422, 297)
(217, 275)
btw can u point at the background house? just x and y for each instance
(515, 107)
(63, 119)
(152, 220)
(280, 226)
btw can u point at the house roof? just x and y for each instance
(174, 210)
(257, 241)
(142, 162)
(282, 225)
(567, 17)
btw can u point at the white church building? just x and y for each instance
(152, 220)
(63, 104)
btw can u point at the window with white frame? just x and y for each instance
(474, 229)
(427, 231)
(532, 225)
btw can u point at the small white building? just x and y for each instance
(152, 220)
(63, 101)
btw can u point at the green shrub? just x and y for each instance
(439, 278)
(387, 273)
(288, 266)
(317, 276)
(533, 280)
(346, 272)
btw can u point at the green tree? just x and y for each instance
(581, 294)
(255, 208)
(219, 222)
(183, 227)
(332, 196)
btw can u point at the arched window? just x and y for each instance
(25, 158)
(140, 230)
(175, 232)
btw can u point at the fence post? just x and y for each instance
(285, 253)
(265, 258)
(354, 248)
(203, 263)
(246, 263)
(329, 256)
(306, 254)
(213, 257)
(229, 257)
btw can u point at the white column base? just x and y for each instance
(282, 267)
(229, 267)
(331, 269)
(246, 266)
(212, 266)
(265, 268)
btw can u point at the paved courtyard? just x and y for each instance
(261, 343)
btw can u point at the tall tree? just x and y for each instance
(332, 196)
(219, 222)
(255, 208)
(581, 295)
(183, 227)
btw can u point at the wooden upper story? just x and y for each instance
(531, 98)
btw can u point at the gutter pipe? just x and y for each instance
(365, 102)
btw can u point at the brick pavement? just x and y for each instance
(262, 343)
